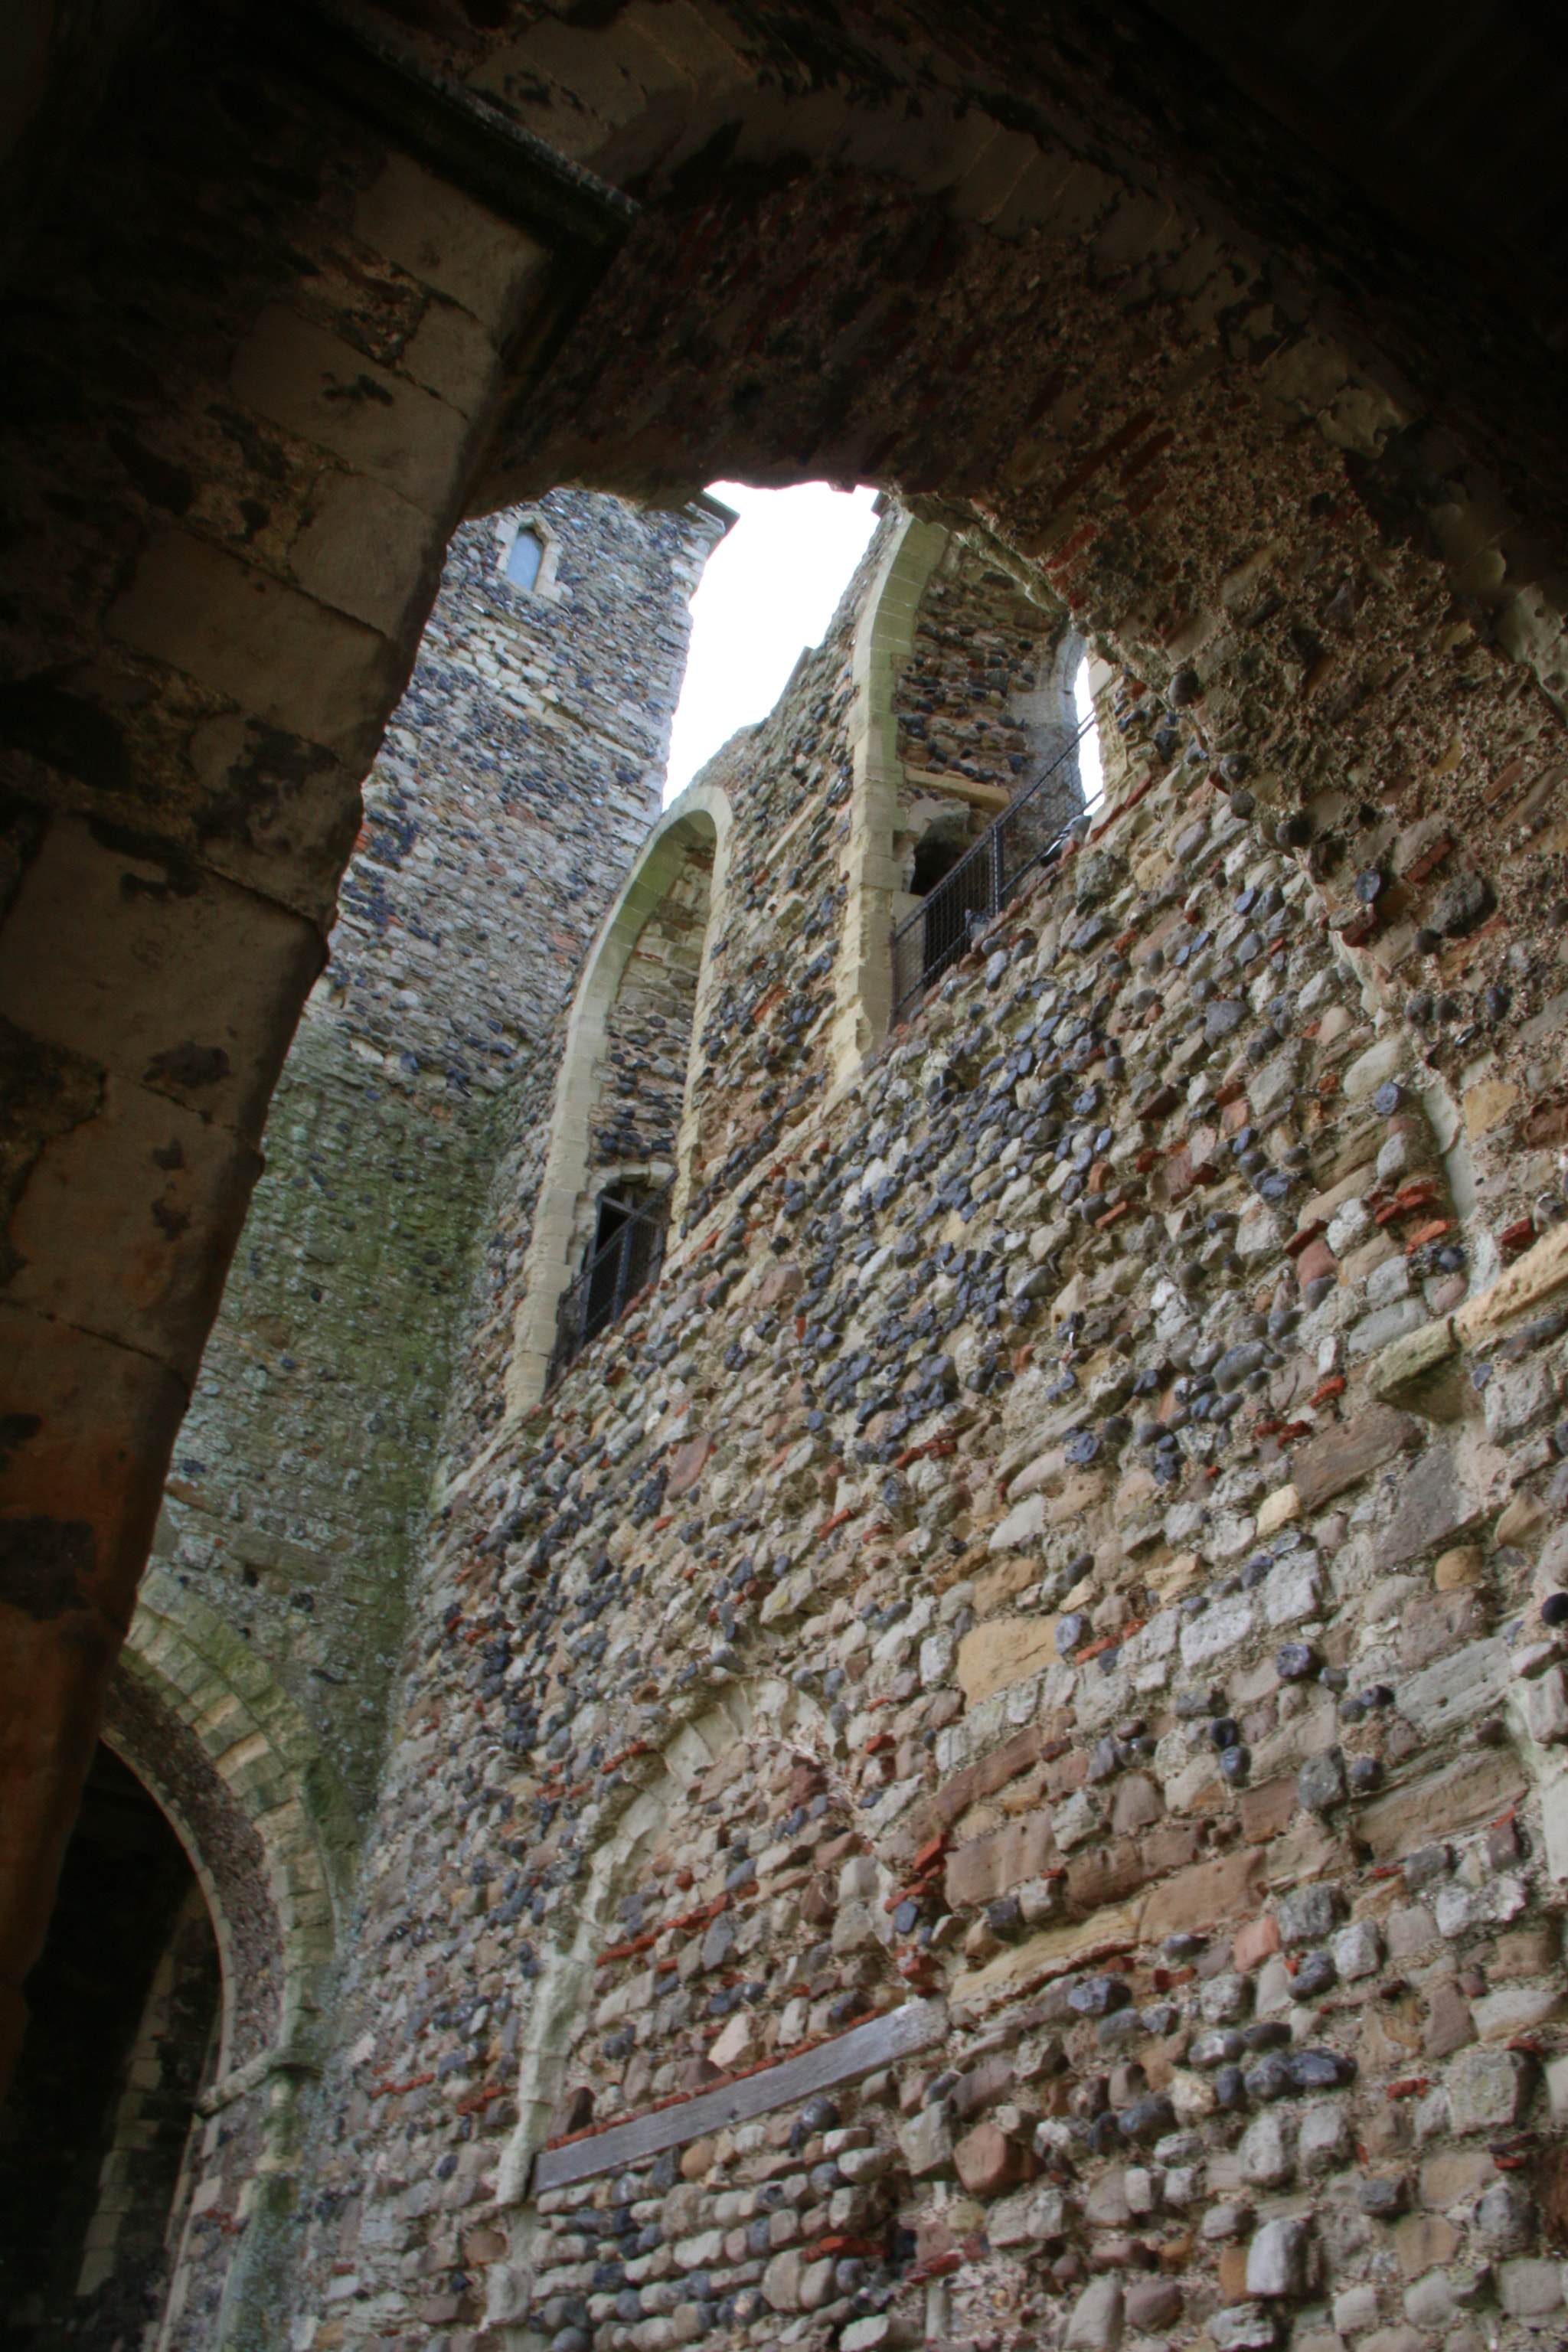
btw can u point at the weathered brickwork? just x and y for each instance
(1065, 1542)
(1045, 1623)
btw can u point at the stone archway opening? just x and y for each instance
(836, 270)
(125, 2005)
(621, 1127)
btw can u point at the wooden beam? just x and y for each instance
(984, 796)
(897, 2034)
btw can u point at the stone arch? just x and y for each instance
(737, 1734)
(233, 1763)
(234, 1767)
(871, 216)
(883, 639)
(567, 1979)
(694, 829)
(896, 801)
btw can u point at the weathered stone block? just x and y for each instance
(927, 2142)
(1324, 2138)
(1097, 2319)
(1221, 1628)
(1544, 1706)
(1470, 1681)
(1349, 1451)
(1385, 1327)
(1486, 2089)
(1449, 2025)
(1267, 2154)
(1243, 2327)
(1208, 1892)
(1516, 2009)
(1438, 1624)
(1528, 2290)
(1306, 1916)
(285, 659)
(1003, 1650)
(1541, 1273)
(1409, 1368)
(989, 1866)
(1022, 1528)
(1474, 1789)
(1290, 1592)
(780, 2281)
(986, 2160)
(1435, 1506)
(1153, 2303)
(1279, 2258)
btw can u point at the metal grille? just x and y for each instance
(946, 920)
(611, 1279)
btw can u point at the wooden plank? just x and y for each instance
(985, 797)
(882, 2040)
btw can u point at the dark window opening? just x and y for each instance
(625, 1254)
(936, 854)
(123, 2006)
(617, 1263)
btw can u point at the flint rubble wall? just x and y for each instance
(1071, 1539)
(520, 775)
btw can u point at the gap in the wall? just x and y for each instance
(770, 589)
(1089, 766)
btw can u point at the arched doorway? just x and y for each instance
(831, 272)
(125, 2002)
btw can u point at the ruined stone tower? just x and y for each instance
(836, 1617)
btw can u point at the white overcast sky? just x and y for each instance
(771, 587)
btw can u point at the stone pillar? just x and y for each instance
(231, 484)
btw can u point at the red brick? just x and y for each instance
(1107, 1874)
(1349, 1451)
(1316, 1259)
(1449, 2026)
(1139, 1804)
(982, 1778)
(690, 1463)
(1168, 1849)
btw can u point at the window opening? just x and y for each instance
(523, 559)
(936, 853)
(1091, 767)
(607, 1287)
(1033, 831)
(623, 1257)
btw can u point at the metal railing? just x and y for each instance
(943, 926)
(610, 1279)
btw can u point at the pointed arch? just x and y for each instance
(693, 828)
